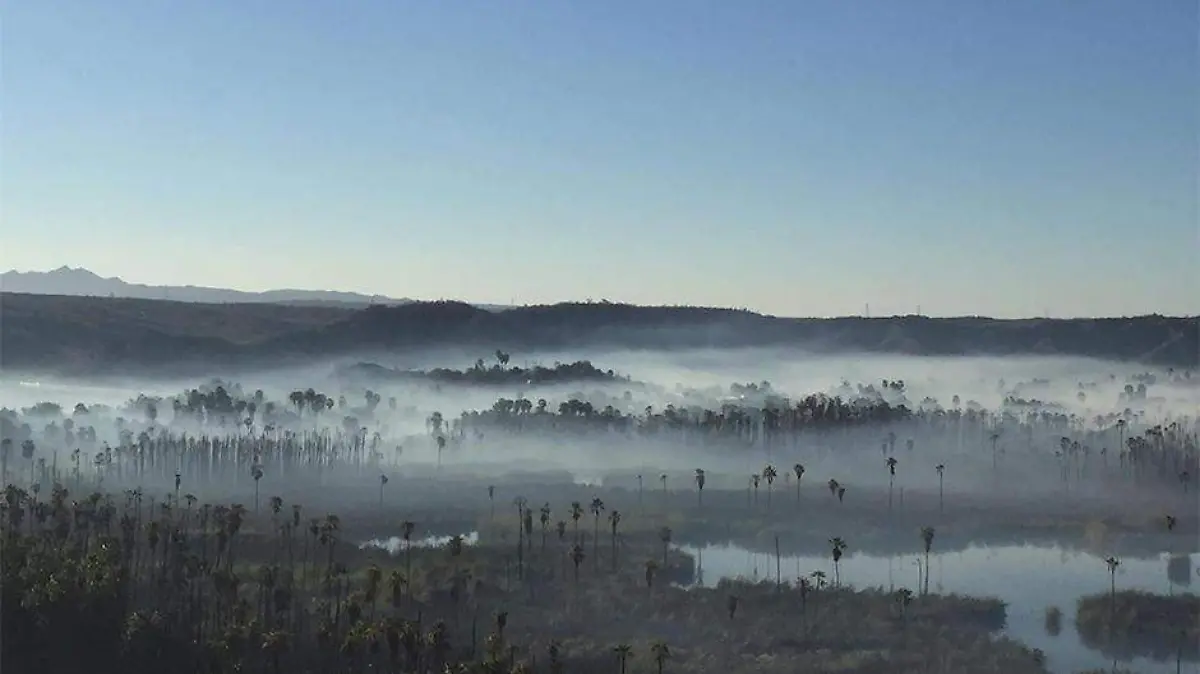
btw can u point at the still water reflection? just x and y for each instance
(1028, 579)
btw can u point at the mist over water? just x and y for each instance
(1037, 441)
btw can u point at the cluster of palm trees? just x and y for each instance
(498, 374)
(170, 585)
(750, 424)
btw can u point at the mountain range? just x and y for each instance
(84, 283)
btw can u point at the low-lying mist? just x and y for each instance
(997, 426)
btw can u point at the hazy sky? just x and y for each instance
(795, 157)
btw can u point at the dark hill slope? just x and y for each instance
(77, 334)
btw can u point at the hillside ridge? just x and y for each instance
(84, 334)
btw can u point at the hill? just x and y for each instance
(90, 334)
(82, 282)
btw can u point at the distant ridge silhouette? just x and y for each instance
(85, 283)
(76, 335)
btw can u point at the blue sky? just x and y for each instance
(796, 157)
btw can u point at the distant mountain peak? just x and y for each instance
(80, 281)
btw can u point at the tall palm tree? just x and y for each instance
(891, 464)
(927, 541)
(700, 479)
(397, 583)
(576, 513)
(624, 652)
(544, 518)
(520, 502)
(941, 471)
(837, 547)
(1112, 563)
(614, 520)
(798, 469)
(406, 531)
(769, 475)
(597, 507)
(257, 473)
(383, 480)
(664, 535)
(651, 567)
(661, 653)
(577, 557)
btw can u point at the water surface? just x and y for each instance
(1028, 579)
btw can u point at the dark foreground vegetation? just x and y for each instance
(1141, 624)
(85, 334)
(176, 586)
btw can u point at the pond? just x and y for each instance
(1028, 579)
(395, 544)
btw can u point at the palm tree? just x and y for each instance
(663, 479)
(833, 487)
(798, 469)
(664, 535)
(406, 532)
(662, 653)
(597, 507)
(577, 557)
(397, 583)
(891, 464)
(941, 471)
(492, 500)
(927, 540)
(383, 479)
(544, 518)
(257, 473)
(903, 599)
(374, 580)
(624, 652)
(769, 475)
(1112, 563)
(614, 519)
(837, 547)
(576, 513)
(700, 487)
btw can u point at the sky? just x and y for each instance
(1017, 158)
